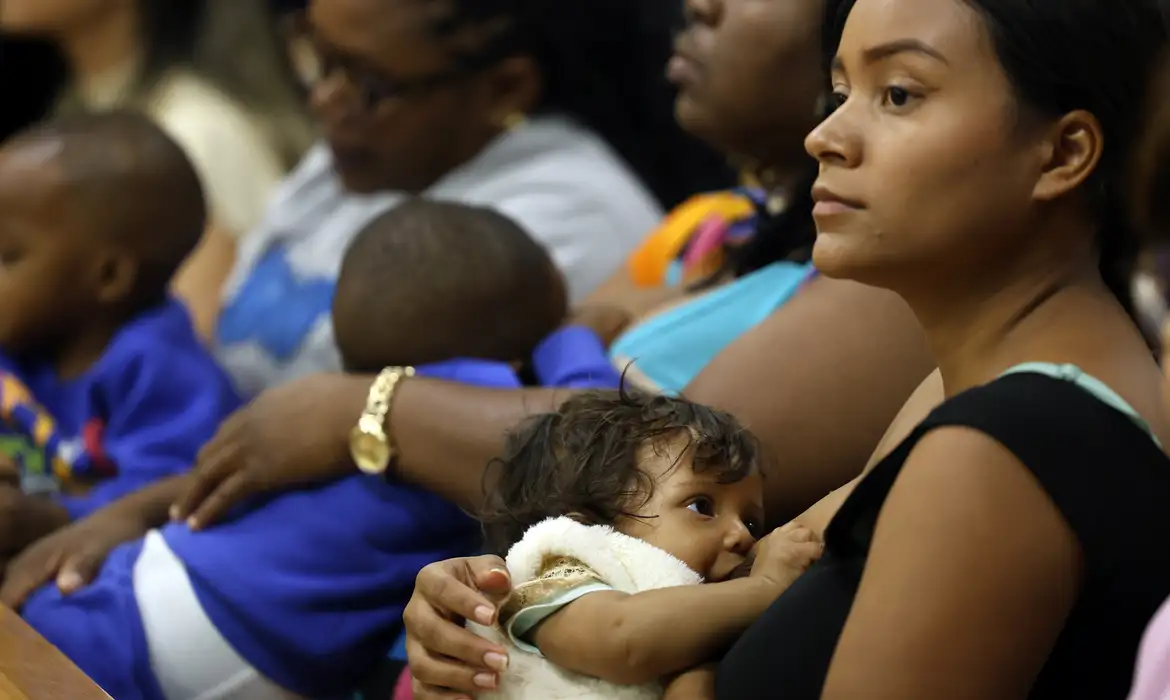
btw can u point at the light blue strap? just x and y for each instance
(525, 621)
(1096, 387)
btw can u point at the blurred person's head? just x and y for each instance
(750, 77)
(231, 44)
(752, 83)
(96, 214)
(977, 146)
(408, 90)
(431, 281)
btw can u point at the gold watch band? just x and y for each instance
(370, 443)
(381, 397)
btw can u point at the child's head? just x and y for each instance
(430, 281)
(678, 475)
(96, 214)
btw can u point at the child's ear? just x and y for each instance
(117, 274)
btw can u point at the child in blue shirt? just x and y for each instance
(104, 386)
(304, 592)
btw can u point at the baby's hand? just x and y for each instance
(783, 555)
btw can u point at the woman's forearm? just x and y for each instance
(445, 433)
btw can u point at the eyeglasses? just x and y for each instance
(313, 61)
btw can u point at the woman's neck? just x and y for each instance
(1041, 302)
(1065, 317)
(107, 44)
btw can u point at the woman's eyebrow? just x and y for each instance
(881, 52)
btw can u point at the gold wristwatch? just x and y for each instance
(369, 444)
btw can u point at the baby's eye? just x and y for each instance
(753, 528)
(703, 506)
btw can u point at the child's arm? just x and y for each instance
(161, 406)
(632, 639)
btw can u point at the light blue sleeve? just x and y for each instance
(525, 621)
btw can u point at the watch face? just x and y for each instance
(369, 453)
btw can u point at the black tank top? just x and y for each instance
(1110, 481)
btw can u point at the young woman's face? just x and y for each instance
(749, 74)
(927, 166)
(52, 16)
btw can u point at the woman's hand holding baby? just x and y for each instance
(446, 660)
(784, 554)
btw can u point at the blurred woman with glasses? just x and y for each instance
(212, 74)
(558, 115)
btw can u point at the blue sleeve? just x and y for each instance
(162, 404)
(574, 358)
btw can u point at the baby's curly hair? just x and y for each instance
(583, 459)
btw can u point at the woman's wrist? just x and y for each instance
(345, 405)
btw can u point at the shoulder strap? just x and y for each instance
(1100, 469)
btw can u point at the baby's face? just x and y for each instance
(710, 526)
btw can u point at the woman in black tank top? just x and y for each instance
(1015, 545)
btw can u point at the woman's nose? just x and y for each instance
(831, 143)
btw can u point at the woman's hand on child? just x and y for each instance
(447, 660)
(291, 435)
(72, 555)
(784, 554)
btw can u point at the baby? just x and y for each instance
(104, 386)
(608, 509)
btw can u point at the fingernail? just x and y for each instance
(484, 615)
(69, 580)
(496, 662)
(193, 523)
(174, 512)
(498, 570)
(485, 680)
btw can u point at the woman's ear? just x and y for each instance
(1073, 149)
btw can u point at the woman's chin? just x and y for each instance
(834, 257)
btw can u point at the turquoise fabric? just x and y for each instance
(669, 349)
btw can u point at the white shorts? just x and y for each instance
(190, 658)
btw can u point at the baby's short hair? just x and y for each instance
(130, 184)
(430, 281)
(583, 459)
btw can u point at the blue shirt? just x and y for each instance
(139, 414)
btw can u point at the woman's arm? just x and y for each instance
(199, 282)
(819, 382)
(970, 576)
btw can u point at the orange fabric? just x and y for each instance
(649, 263)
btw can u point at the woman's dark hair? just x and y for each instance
(1063, 55)
(603, 63)
(582, 460)
(1151, 172)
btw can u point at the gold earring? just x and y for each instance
(513, 120)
